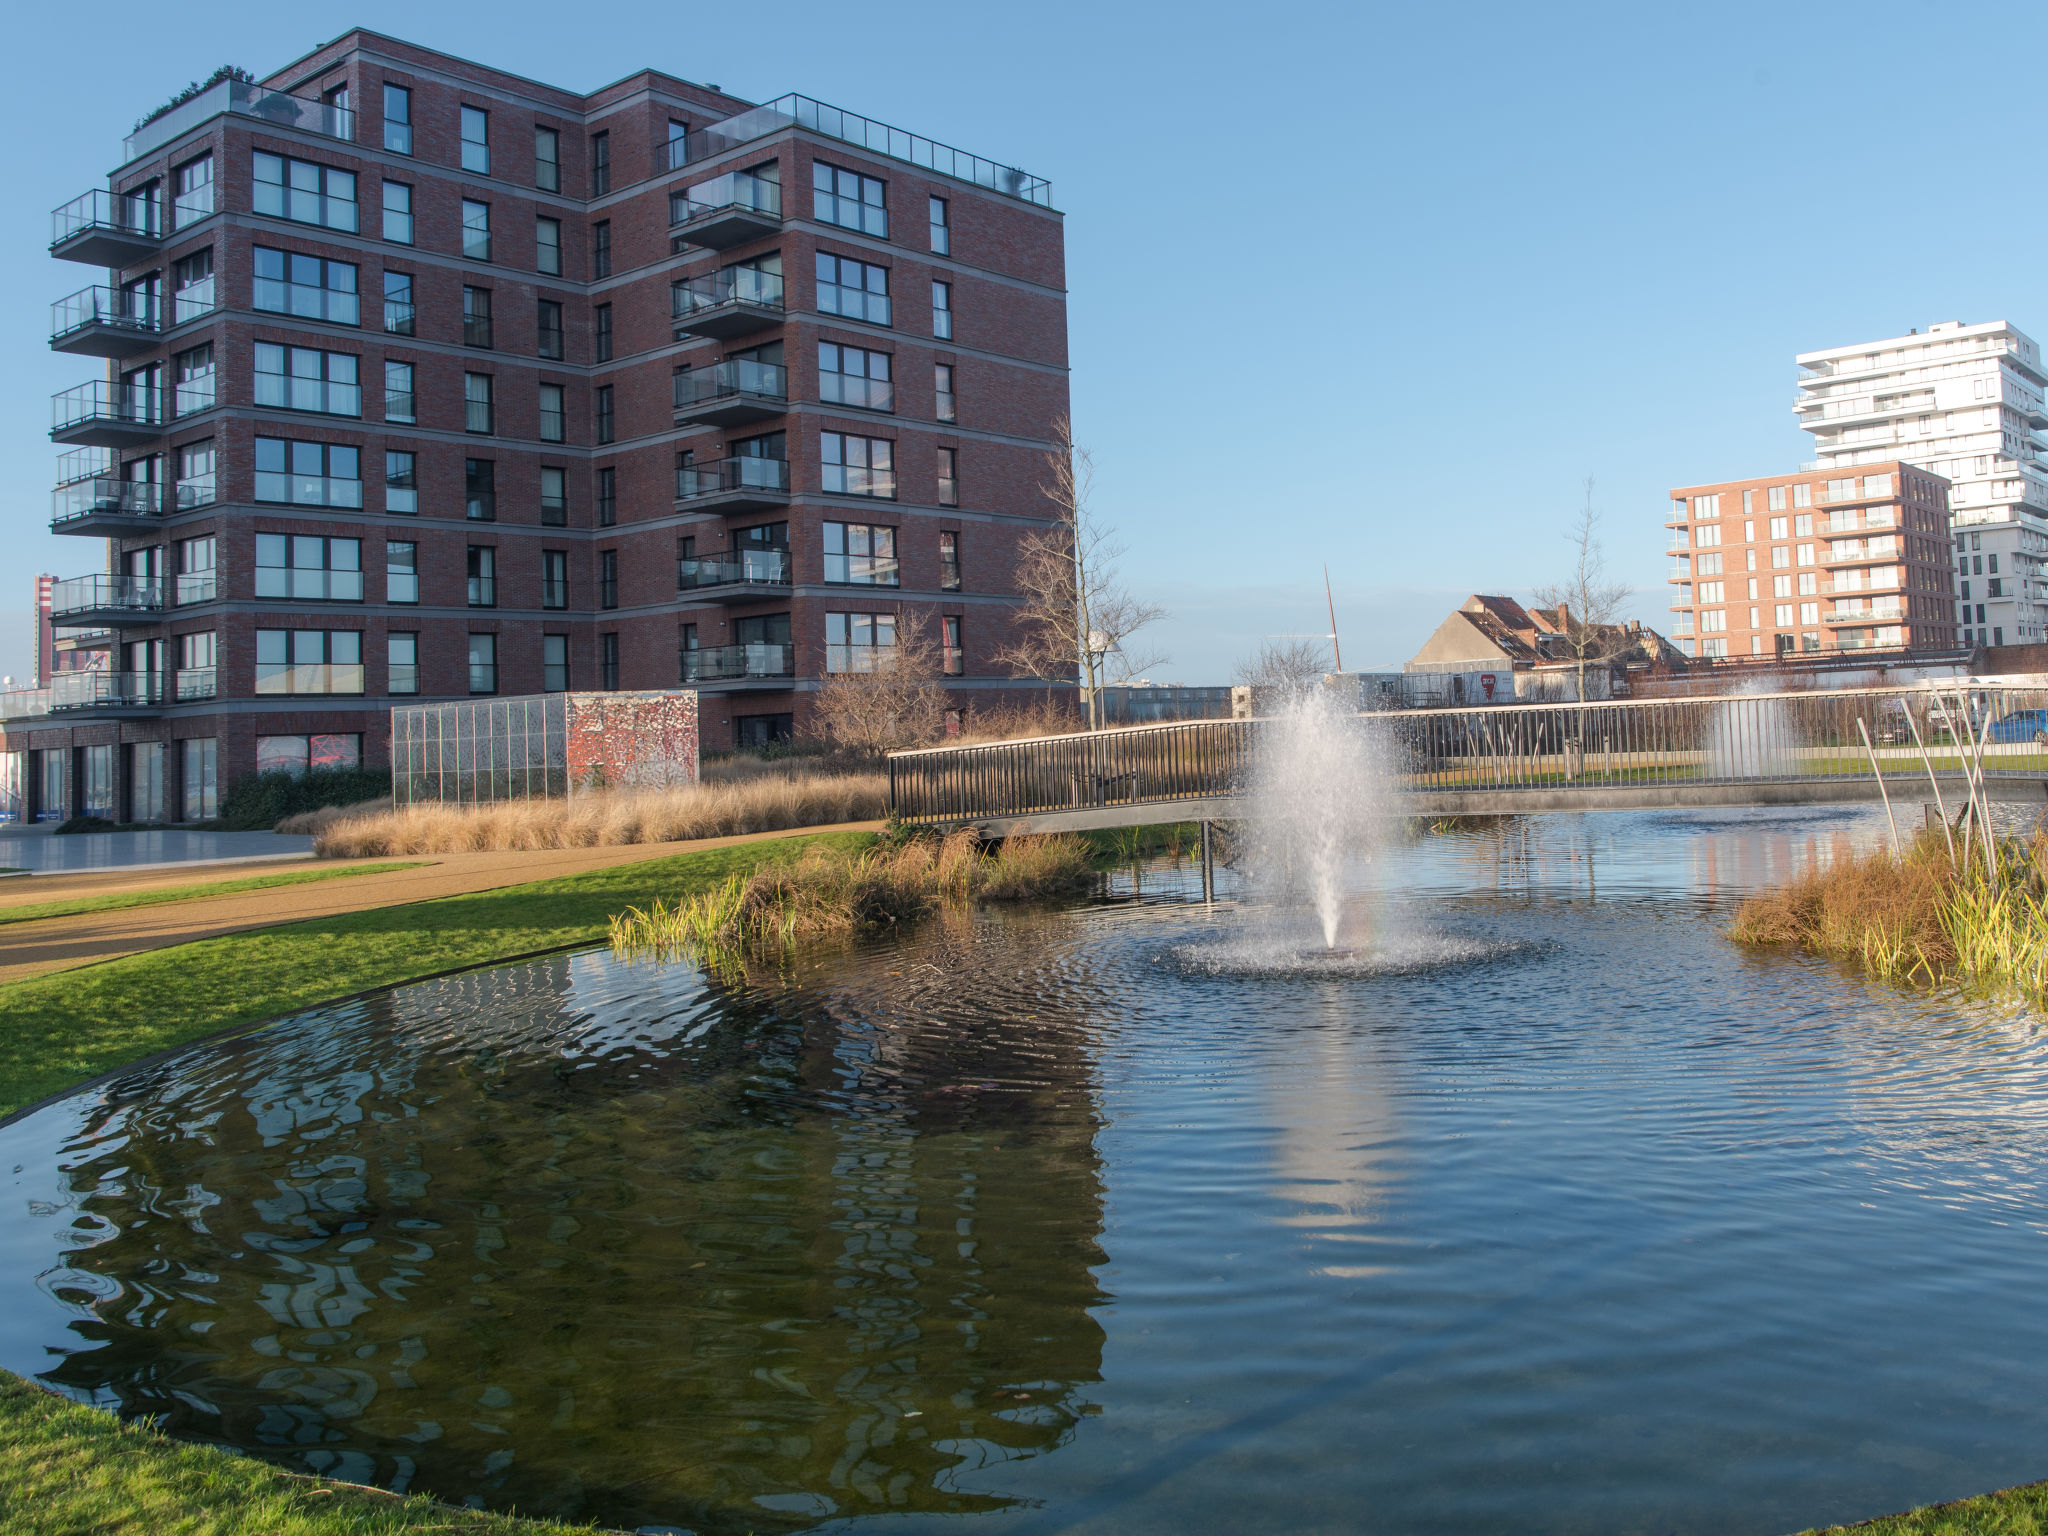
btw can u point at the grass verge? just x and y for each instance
(2021, 1511)
(61, 1029)
(66, 1470)
(115, 902)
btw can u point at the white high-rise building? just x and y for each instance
(1965, 402)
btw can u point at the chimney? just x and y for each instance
(1564, 619)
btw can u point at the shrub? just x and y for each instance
(258, 801)
(86, 823)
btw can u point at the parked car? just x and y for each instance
(2021, 725)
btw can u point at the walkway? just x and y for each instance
(45, 853)
(61, 943)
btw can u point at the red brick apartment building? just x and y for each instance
(427, 381)
(1796, 564)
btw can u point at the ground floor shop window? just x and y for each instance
(199, 778)
(295, 754)
(96, 781)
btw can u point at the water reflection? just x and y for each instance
(605, 1242)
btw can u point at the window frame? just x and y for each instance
(290, 588)
(479, 162)
(288, 192)
(395, 572)
(289, 262)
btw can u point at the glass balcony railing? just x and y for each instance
(309, 677)
(22, 703)
(195, 587)
(734, 376)
(195, 683)
(734, 568)
(859, 658)
(852, 389)
(729, 663)
(199, 491)
(721, 194)
(119, 309)
(248, 101)
(105, 497)
(90, 689)
(135, 219)
(122, 405)
(107, 593)
(742, 474)
(729, 285)
(85, 464)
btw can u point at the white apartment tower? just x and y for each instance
(1964, 402)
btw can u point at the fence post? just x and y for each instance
(1209, 863)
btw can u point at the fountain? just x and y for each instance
(1752, 738)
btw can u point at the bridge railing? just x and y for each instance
(1747, 738)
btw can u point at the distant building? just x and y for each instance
(1143, 703)
(1492, 649)
(1964, 402)
(1795, 565)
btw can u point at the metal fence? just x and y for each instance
(1749, 738)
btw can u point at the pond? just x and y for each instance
(1572, 1217)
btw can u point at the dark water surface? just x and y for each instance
(1576, 1218)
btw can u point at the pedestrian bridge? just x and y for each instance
(1915, 743)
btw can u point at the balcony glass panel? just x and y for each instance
(118, 308)
(249, 101)
(83, 593)
(717, 663)
(732, 475)
(124, 498)
(743, 567)
(138, 405)
(734, 376)
(730, 285)
(735, 189)
(195, 683)
(101, 209)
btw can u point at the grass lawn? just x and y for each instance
(119, 899)
(63, 1028)
(2021, 1511)
(72, 1471)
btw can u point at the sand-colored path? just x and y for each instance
(60, 943)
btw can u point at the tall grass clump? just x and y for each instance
(739, 803)
(1932, 914)
(833, 892)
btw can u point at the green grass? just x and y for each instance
(116, 902)
(61, 1029)
(72, 1471)
(2019, 1511)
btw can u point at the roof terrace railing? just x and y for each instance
(249, 101)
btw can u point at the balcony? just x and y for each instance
(108, 599)
(734, 391)
(105, 322)
(737, 575)
(106, 229)
(248, 101)
(195, 684)
(726, 211)
(733, 301)
(24, 703)
(734, 485)
(1863, 551)
(107, 415)
(762, 665)
(105, 508)
(106, 693)
(1889, 613)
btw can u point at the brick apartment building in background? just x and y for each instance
(1800, 564)
(427, 381)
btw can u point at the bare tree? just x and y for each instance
(892, 700)
(1077, 616)
(1287, 664)
(1588, 604)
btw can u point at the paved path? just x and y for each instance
(60, 943)
(45, 853)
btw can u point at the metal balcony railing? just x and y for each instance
(105, 497)
(732, 663)
(24, 703)
(733, 190)
(106, 593)
(195, 683)
(733, 377)
(739, 474)
(118, 215)
(90, 689)
(115, 309)
(738, 567)
(127, 405)
(248, 101)
(728, 285)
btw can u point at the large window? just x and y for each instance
(483, 576)
(398, 306)
(861, 555)
(398, 212)
(192, 191)
(306, 379)
(309, 568)
(402, 662)
(401, 571)
(476, 316)
(295, 754)
(483, 663)
(309, 661)
(547, 159)
(548, 241)
(476, 230)
(478, 414)
(192, 380)
(308, 474)
(398, 119)
(552, 419)
(480, 489)
(199, 777)
(859, 642)
(554, 496)
(400, 403)
(192, 286)
(304, 192)
(401, 482)
(554, 578)
(855, 376)
(476, 140)
(196, 474)
(857, 466)
(848, 199)
(198, 574)
(288, 283)
(550, 329)
(853, 289)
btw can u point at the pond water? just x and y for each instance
(1573, 1217)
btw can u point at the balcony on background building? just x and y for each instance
(1889, 546)
(733, 301)
(109, 599)
(24, 703)
(736, 390)
(106, 322)
(734, 575)
(274, 107)
(106, 693)
(734, 485)
(107, 229)
(725, 211)
(105, 508)
(760, 664)
(1874, 613)
(104, 414)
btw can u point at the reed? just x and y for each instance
(1929, 915)
(750, 800)
(834, 892)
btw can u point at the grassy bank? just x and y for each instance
(78, 905)
(61, 1029)
(2021, 1511)
(72, 1471)
(1932, 915)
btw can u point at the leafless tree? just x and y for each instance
(1077, 617)
(1285, 664)
(894, 701)
(1591, 602)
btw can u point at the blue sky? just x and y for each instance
(1377, 286)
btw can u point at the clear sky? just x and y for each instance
(1372, 285)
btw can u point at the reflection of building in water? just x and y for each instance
(1333, 1160)
(602, 1242)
